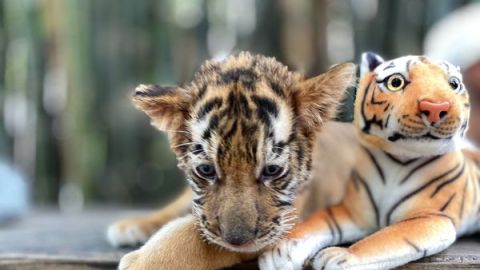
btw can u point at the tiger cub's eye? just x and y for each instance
(206, 171)
(454, 83)
(271, 172)
(395, 82)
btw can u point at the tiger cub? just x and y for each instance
(412, 190)
(243, 132)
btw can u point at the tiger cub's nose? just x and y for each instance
(434, 111)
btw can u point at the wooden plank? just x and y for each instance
(52, 240)
(465, 254)
(52, 265)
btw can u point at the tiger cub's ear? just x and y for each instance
(319, 97)
(167, 107)
(369, 62)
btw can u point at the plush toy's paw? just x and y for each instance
(129, 232)
(128, 261)
(334, 258)
(287, 255)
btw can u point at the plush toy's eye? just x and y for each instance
(271, 172)
(206, 171)
(454, 83)
(395, 82)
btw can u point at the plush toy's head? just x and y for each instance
(411, 106)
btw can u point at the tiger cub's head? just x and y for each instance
(411, 106)
(242, 132)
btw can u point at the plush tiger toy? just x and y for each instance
(412, 190)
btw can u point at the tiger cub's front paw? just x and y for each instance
(287, 255)
(129, 232)
(129, 261)
(334, 258)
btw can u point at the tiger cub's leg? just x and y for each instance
(411, 239)
(179, 246)
(326, 227)
(134, 231)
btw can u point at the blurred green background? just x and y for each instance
(67, 68)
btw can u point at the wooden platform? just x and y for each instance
(50, 240)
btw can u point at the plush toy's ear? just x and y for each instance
(370, 61)
(167, 107)
(319, 97)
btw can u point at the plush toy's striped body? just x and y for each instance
(412, 190)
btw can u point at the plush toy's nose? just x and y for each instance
(434, 111)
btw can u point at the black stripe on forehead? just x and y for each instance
(391, 65)
(209, 106)
(233, 129)
(238, 105)
(197, 149)
(241, 149)
(265, 108)
(201, 92)
(279, 147)
(245, 76)
(248, 129)
(277, 89)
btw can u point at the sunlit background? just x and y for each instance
(69, 136)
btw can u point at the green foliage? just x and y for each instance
(67, 68)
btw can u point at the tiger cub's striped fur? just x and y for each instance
(413, 190)
(243, 132)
